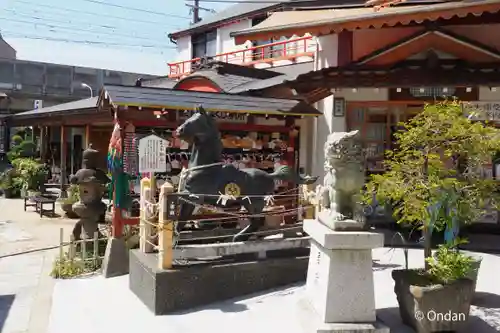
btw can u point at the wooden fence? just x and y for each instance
(85, 252)
(154, 222)
(157, 231)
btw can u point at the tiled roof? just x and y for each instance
(158, 98)
(288, 73)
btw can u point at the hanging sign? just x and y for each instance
(483, 110)
(152, 154)
(225, 117)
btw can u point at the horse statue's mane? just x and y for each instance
(210, 119)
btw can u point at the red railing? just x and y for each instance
(269, 53)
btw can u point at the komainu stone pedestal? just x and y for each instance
(340, 292)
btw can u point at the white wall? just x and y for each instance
(184, 51)
(328, 51)
(325, 124)
(225, 43)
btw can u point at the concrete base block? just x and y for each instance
(202, 283)
(311, 322)
(340, 284)
(116, 258)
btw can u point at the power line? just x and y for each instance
(241, 1)
(40, 20)
(136, 9)
(87, 13)
(67, 40)
(52, 26)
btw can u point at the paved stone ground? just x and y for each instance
(25, 285)
(26, 291)
(108, 305)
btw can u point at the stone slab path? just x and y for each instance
(108, 305)
(25, 285)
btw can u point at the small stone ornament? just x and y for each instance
(343, 181)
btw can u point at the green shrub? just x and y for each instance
(448, 264)
(65, 268)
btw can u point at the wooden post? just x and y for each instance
(63, 157)
(165, 229)
(96, 248)
(147, 196)
(116, 220)
(87, 136)
(42, 143)
(83, 247)
(61, 243)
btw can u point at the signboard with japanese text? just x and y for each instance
(223, 117)
(338, 107)
(481, 111)
(152, 154)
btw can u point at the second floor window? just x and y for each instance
(204, 44)
(275, 51)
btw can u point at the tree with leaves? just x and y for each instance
(434, 177)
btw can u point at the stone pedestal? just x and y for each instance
(339, 290)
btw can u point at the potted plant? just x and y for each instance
(11, 183)
(32, 173)
(66, 204)
(433, 181)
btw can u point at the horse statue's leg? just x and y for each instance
(256, 206)
(185, 213)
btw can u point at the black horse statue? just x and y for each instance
(207, 177)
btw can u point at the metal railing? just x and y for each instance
(269, 53)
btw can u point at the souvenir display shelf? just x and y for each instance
(265, 150)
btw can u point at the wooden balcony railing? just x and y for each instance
(269, 53)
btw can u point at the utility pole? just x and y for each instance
(196, 12)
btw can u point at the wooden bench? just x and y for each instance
(38, 202)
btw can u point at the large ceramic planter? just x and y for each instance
(476, 265)
(432, 308)
(67, 208)
(10, 193)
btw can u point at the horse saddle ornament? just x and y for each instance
(232, 189)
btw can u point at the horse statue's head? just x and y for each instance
(199, 126)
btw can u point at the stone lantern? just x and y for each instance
(91, 183)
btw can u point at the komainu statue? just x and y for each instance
(344, 178)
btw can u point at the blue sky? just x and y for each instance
(96, 33)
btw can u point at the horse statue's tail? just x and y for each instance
(285, 173)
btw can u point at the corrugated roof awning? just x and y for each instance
(88, 104)
(157, 98)
(329, 21)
